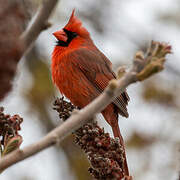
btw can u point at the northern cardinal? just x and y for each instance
(82, 72)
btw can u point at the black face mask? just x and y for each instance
(70, 35)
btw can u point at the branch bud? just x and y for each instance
(120, 72)
(113, 84)
(12, 144)
(154, 60)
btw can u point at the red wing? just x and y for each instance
(97, 69)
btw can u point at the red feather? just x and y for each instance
(82, 72)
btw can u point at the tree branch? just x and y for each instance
(17, 42)
(40, 23)
(143, 67)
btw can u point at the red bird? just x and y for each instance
(82, 72)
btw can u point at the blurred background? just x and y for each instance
(119, 29)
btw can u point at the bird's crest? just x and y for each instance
(75, 25)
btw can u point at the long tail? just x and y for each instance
(117, 133)
(112, 118)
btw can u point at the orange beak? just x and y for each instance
(61, 35)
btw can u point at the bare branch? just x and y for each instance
(143, 67)
(40, 23)
(13, 44)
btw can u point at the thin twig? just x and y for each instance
(39, 23)
(143, 67)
